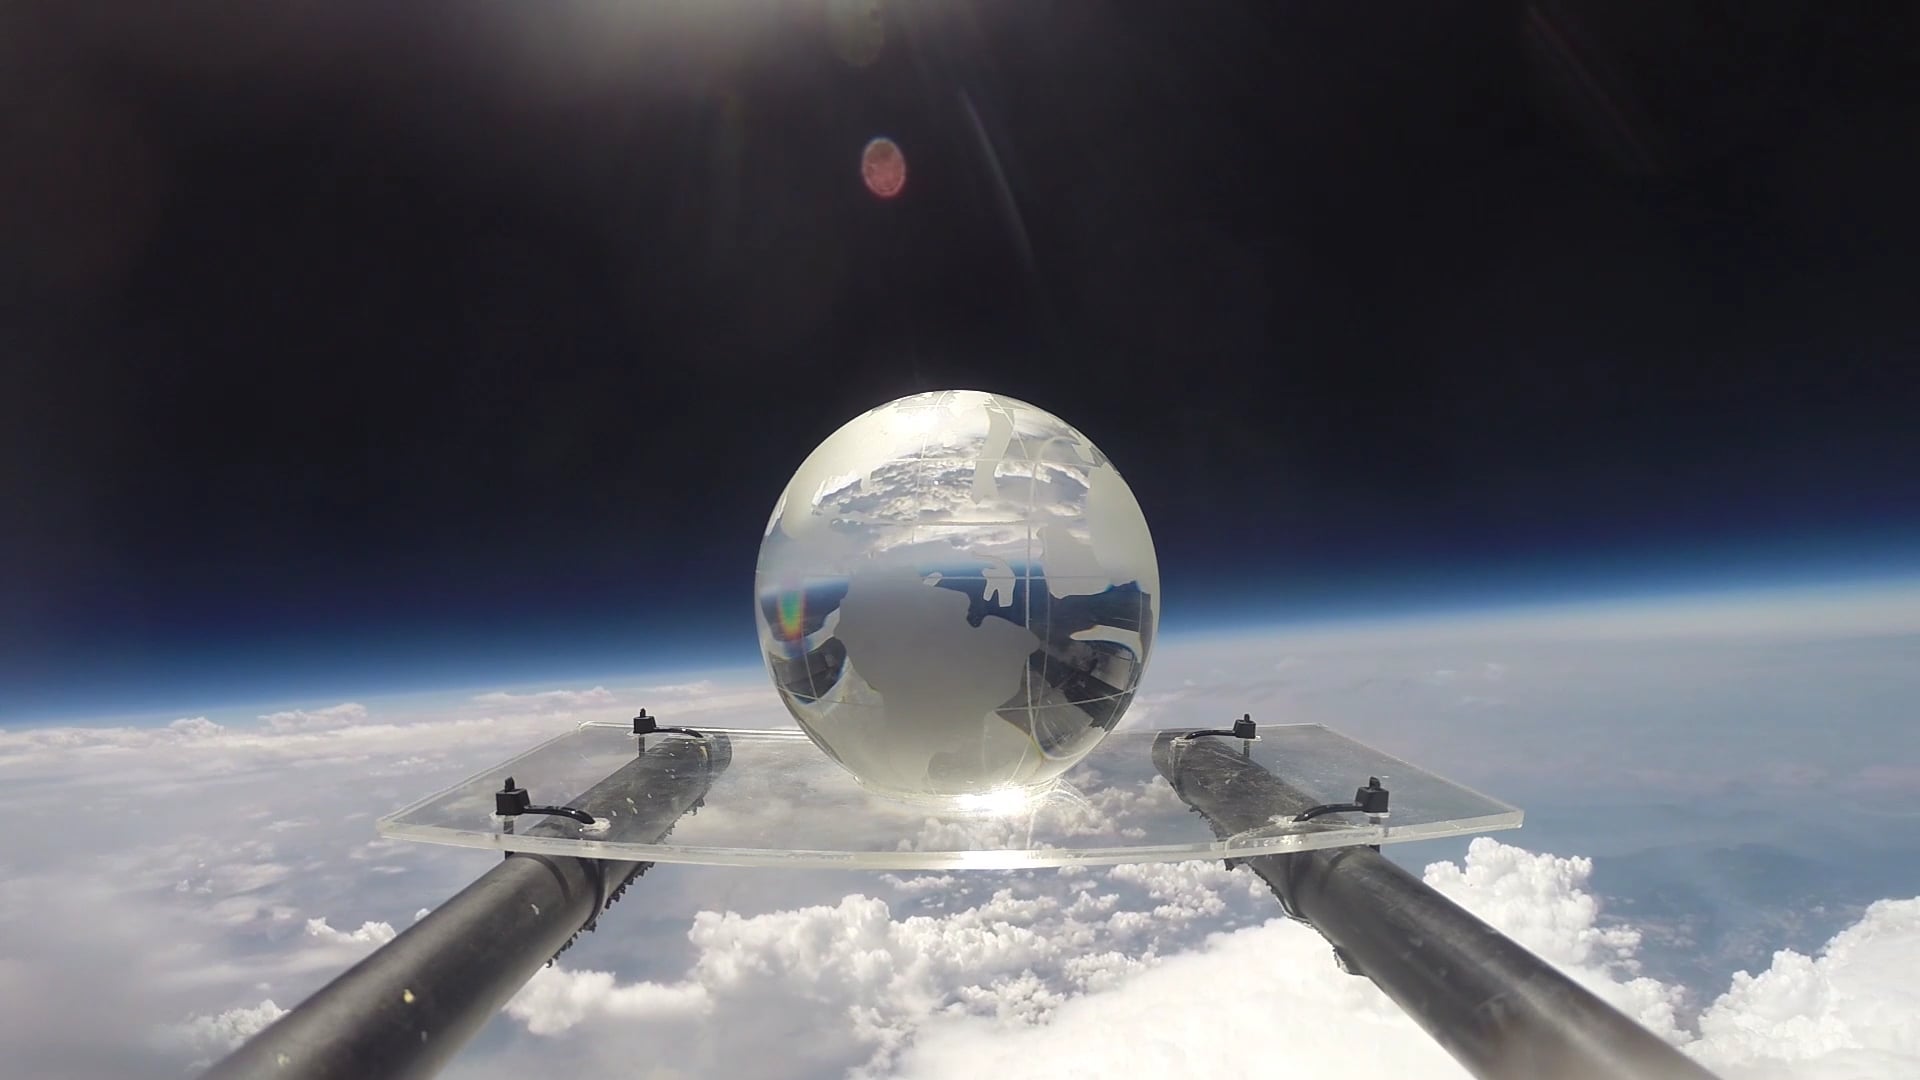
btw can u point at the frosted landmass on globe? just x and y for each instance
(957, 594)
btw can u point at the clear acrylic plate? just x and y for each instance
(781, 802)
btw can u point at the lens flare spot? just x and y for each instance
(883, 167)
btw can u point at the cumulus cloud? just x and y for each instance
(1186, 891)
(370, 933)
(555, 1000)
(1261, 999)
(1542, 902)
(1848, 1012)
(923, 885)
(342, 715)
(746, 705)
(547, 700)
(685, 689)
(186, 858)
(210, 1036)
(195, 726)
(1087, 975)
(860, 977)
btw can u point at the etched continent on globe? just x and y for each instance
(957, 595)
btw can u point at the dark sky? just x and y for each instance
(355, 340)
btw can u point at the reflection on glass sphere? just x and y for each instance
(956, 595)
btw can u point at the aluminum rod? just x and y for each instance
(408, 1008)
(1500, 1010)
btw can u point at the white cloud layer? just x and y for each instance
(1065, 978)
(556, 1000)
(548, 700)
(336, 716)
(200, 887)
(1852, 1011)
(370, 933)
(213, 1036)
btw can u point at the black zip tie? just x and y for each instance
(511, 802)
(1370, 800)
(644, 725)
(1243, 728)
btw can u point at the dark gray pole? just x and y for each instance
(1501, 1011)
(409, 1007)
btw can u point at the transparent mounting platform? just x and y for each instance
(781, 802)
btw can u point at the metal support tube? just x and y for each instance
(1501, 1011)
(407, 1009)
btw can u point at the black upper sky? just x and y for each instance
(355, 332)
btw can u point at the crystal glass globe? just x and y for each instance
(957, 595)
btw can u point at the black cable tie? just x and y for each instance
(1370, 800)
(644, 725)
(580, 816)
(1243, 728)
(1329, 808)
(511, 801)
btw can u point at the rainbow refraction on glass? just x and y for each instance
(792, 615)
